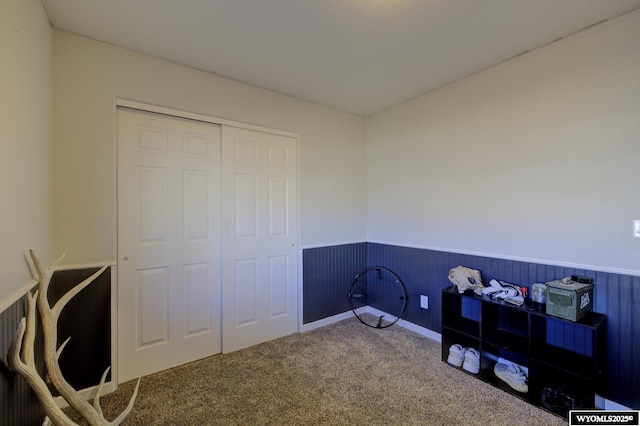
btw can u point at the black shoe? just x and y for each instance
(551, 396)
(571, 400)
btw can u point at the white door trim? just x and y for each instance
(127, 103)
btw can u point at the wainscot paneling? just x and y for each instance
(327, 273)
(91, 335)
(18, 404)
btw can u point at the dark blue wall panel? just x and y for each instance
(425, 272)
(18, 403)
(421, 273)
(90, 335)
(327, 273)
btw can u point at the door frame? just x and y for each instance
(126, 103)
(172, 112)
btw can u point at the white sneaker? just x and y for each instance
(456, 355)
(471, 361)
(512, 375)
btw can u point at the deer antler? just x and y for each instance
(25, 366)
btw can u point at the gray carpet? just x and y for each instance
(345, 373)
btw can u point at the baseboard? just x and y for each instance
(326, 321)
(368, 309)
(606, 404)
(421, 330)
(406, 324)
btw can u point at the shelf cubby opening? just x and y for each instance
(559, 391)
(505, 327)
(551, 332)
(461, 312)
(451, 337)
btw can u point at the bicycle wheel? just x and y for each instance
(377, 297)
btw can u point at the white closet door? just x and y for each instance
(260, 234)
(168, 242)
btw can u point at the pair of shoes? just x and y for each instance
(557, 397)
(512, 375)
(550, 396)
(467, 358)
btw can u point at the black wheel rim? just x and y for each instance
(383, 291)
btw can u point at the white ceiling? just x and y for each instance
(361, 56)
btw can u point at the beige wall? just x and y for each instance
(26, 215)
(89, 76)
(536, 158)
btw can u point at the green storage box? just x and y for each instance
(570, 300)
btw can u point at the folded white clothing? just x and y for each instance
(495, 283)
(491, 290)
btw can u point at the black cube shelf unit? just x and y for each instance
(565, 359)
